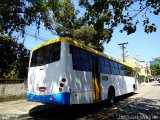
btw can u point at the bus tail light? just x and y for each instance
(64, 80)
(42, 89)
(62, 84)
(52, 98)
(60, 89)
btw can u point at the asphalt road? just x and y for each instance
(144, 105)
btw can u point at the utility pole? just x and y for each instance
(123, 47)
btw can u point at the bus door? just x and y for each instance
(96, 79)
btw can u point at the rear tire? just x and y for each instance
(111, 96)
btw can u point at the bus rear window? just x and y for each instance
(46, 54)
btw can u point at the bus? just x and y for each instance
(63, 71)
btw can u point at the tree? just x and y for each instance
(157, 59)
(66, 23)
(94, 27)
(100, 17)
(16, 14)
(114, 12)
(14, 58)
(155, 70)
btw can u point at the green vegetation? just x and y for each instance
(155, 70)
(93, 23)
(157, 59)
(14, 58)
(16, 14)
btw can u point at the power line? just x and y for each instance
(31, 35)
(36, 30)
(30, 31)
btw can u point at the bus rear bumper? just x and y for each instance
(61, 98)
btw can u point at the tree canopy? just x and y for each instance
(157, 59)
(14, 58)
(156, 68)
(16, 14)
(93, 23)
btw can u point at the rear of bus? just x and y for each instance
(47, 78)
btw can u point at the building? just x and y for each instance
(145, 68)
(142, 68)
(134, 62)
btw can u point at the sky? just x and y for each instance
(142, 46)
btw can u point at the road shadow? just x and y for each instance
(120, 98)
(58, 112)
(49, 112)
(142, 109)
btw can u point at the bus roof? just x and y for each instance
(75, 43)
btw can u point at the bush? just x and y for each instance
(14, 58)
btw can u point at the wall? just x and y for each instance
(141, 65)
(12, 91)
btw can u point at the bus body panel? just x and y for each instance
(81, 83)
(78, 87)
(50, 76)
(121, 84)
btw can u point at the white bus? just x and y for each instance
(62, 71)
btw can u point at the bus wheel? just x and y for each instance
(111, 96)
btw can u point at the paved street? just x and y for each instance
(144, 105)
(145, 108)
(14, 109)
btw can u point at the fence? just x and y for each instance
(12, 89)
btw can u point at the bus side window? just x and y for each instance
(113, 69)
(104, 65)
(128, 71)
(54, 52)
(101, 65)
(75, 57)
(107, 68)
(85, 61)
(117, 72)
(121, 69)
(81, 59)
(101, 60)
(106, 62)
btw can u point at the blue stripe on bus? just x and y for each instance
(61, 98)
